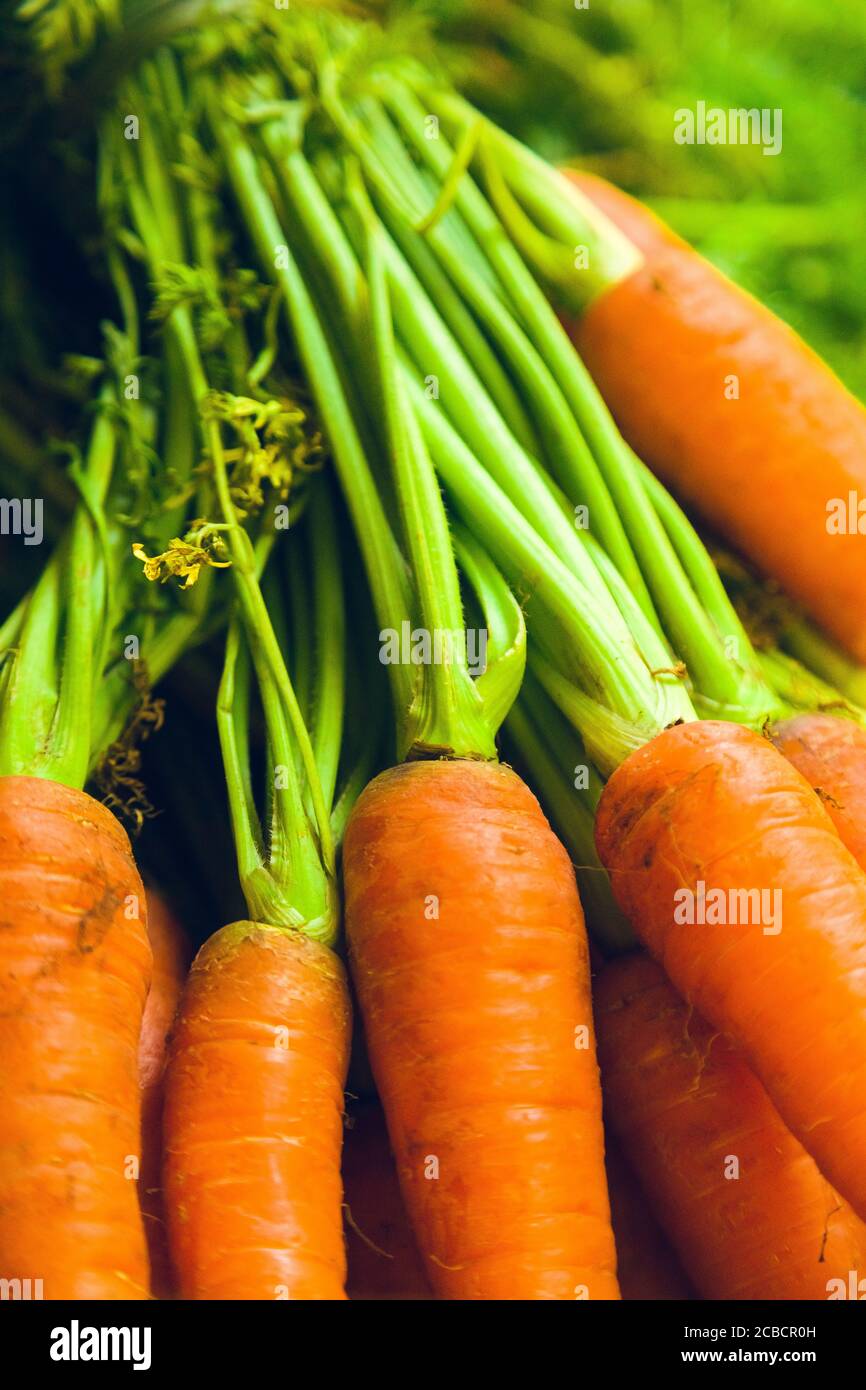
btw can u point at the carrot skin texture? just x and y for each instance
(470, 960)
(172, 953)
(665, 346)
(831, 755)
(683, 1102)
(74, 973)
(253, 1119)
(715, 803)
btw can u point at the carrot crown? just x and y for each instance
(58, 637)
(398, 512)
(79, 654)
(286, 856)
(393, 380)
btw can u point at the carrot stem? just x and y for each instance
(518, 340)
(381, 554)
(449, 713)
(46, 720)
(329, 621)
(600, 649)
(290, 882)
(552, 774)
(715, 676)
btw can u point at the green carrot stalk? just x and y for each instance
(517, 339)
(724, 684)
(381, 554)
(567, 607)
(51, 676)
(815, 652)
(449, 708)
(285, 865)
(553, 756)
(441, 227)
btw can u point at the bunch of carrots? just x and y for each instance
(375, 483)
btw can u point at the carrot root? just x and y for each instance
(733, 876)
(471, 964)
(172, 952)
(253, 1119)
(736, 414)
(746, 1207)
(73, 981)
(831, 755)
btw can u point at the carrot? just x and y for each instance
(382, 1255)
(675, 1094)
(75, 970)
(260, 1048)
(172, 953)
(831, 755)
(171, 958)
(679, 1100)
(771, 438)
(471, 965)
(78, 962)
(647, 1267)
(253, 1119)
(744, 1204)
(582, 656)
(713, 809)
(471, 1011)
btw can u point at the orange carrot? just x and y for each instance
(471, 965)
(172, 953)
(744, 1204)
(708, 824)
(647, 1267)
(253, 1119)
(75, 971)
(383, 1258)
(464, 925)
(735, 413)
(831, 755)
